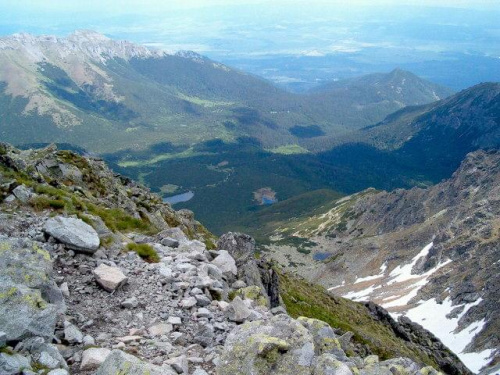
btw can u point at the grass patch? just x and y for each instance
(118, 220)
(145, 251)
(43, 203)
(302, 298)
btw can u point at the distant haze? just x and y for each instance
(296, 45)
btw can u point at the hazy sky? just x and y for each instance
(137, 6)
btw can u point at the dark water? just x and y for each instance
(184, 197)
(267, 200)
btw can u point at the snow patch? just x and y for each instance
(433, 317)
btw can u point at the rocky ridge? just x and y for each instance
(430, 254)
(155, 296)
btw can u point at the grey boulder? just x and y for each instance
(74, 233)
(119, 362)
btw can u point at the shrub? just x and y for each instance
(145, 251)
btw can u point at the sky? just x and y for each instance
(97, 7)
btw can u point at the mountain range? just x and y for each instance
(107, 95)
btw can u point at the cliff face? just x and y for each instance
(97, 274)
(430, 254)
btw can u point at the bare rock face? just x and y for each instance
(109, 278)
(74, 233)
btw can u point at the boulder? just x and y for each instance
(279, 346)
(22, 193)
(25, 287)
(225, 262)
(109, 278)
(238, 311)
(13, 364)
(119, 362)
(72, 334)
(74, 233)
(92, 358)
(327, 364)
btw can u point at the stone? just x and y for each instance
(202, 300)
(160, 329)
(109, 278)
(74, 233)
(225, 262)
(238, 284)
(72, 334)
(199, 371)
(22, 193)
(10, 199)
(187, 303)
(254, 293)
(88, 340)
(238, 311)
(92, 358)
(165, 273)
(174, 320)
(64, 290)
(278, 310)
(130, 303)
(25, 269)
(179, 364)
(278, 346)
(327, 364)
(240, 246)
(13, 364)
(48, 361)
(58, 371)
(119, 362)
(170, 242)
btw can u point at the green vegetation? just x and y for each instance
(117, 220)
(289, 150)
(145, 251)
(302, 298)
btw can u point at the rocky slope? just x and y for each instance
(429, 254)
(97, 276)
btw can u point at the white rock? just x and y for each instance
(92, 358)
(109, 278)
(188, 302)
(225, 262)
(160, 329)
(64, 290)
(174, 320)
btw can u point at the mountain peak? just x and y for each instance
(88, 35)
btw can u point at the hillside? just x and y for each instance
(368, 97)
(108, 96)
(429, 254)
(97, 276)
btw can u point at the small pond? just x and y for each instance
(321, 256)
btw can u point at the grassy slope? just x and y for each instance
(305, 299)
